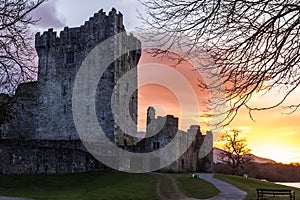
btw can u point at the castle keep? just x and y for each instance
(42, 138)
(46, 104)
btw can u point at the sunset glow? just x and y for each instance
(273, 135)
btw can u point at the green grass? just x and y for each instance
(119, 186)
(196, 188)
(103, 185)
(166, 189)
(250, 185)
(93, 185)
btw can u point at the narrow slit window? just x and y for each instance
(64, 92)
(65, 109)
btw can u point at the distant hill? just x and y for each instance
(255, 159)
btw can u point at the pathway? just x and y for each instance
(227, 191)
(171, 192)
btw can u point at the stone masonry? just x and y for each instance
(162, 130)
(43, 109)
(42, 138)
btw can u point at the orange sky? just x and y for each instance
(273, 135)
(173, 97)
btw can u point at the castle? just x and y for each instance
(42, 138)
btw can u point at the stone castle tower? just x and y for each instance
(59, 59)
(50, 101)
(42, 138)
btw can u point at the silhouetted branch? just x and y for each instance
(254, 44)
(17, 53)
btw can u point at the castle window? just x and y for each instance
(64, 92)
(127, 87)
(103, 115)
(155, 145)
(70, 57)
(88, 110)
(65, 109)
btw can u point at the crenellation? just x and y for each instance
(102, 26)
(47, 39)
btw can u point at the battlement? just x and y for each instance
(48, 38)
(97, 28)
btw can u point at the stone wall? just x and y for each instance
(162, 130)
(45, 157)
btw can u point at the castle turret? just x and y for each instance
(150, 115)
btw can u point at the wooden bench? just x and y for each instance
(261, 193)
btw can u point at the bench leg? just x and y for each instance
(292, 197)
(260, 197)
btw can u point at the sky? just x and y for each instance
(273, 135)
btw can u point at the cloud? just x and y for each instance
(48, 15)
(76, 12)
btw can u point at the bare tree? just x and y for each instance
(17, 53)
(255, 44)
(236, 153)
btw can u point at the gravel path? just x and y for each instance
(227, 191)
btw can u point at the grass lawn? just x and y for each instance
(102, 185)
(166, 187)
(249, 185)
(92, 185)
(194, 187)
